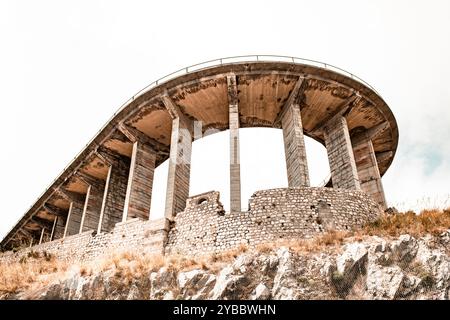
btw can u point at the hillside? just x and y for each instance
(400, 256)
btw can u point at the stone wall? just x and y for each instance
(275, 214)
(134, 234)
(204, 226)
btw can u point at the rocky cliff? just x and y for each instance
(370, 267)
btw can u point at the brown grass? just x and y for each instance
(432, 222)
(31, 268)
(41, 268)
(329, 239)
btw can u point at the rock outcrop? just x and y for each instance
(372, 268)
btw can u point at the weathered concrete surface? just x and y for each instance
(74, 219)
(340, 154)
(367, 167)
(59, 228)
(262, 91)
(294, 147)
(114, 196)
(140, 182)
(235, 163)
(179, 168)
(92, 208)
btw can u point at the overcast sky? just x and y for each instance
(66, 66)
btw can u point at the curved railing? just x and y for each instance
(245, 58)
(215, 63)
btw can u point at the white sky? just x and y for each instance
(66, 66)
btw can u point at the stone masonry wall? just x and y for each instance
(204, 226)
(275, 214)
(134, 234)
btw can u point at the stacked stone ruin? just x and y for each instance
(101, 201)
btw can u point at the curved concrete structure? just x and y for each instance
(111, 180)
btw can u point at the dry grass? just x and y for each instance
(328, 240)
(432, 222)
(128, 266)
(32, 268)
(40, 269)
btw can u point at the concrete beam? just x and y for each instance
(179, 162)
(104, 156)
(298, 89)
(367, 167)
(235, 166)
(41, 222)
(54, 210)
(173, 109)
(89, 179)
(340, 154)
(26, 233)
(134, 135)
(343, 110)
(375, 131)
(108, 156)
(140, 182)
(383, 156)
(70, 196)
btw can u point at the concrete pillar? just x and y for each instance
(105, 199)
(235, 166)
(92, 208)
(294, 146)
(114, 194)
(59, 228)
(140, 182)
(340, 154)
(53, 228)
(73, 221)
(367, 167)
(179, 168)
(42, 235)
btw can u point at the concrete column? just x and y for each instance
(53, 228)
(59, 228)
(140, 182)
(42, 235)
(235, 166)
(179, 168)
(114, 194)
(105, 197)
(73, 219)
(340, 154)
(294, 146)
(367, 167)
(92, 208)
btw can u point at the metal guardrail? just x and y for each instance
(209, 64)
(242, 59)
